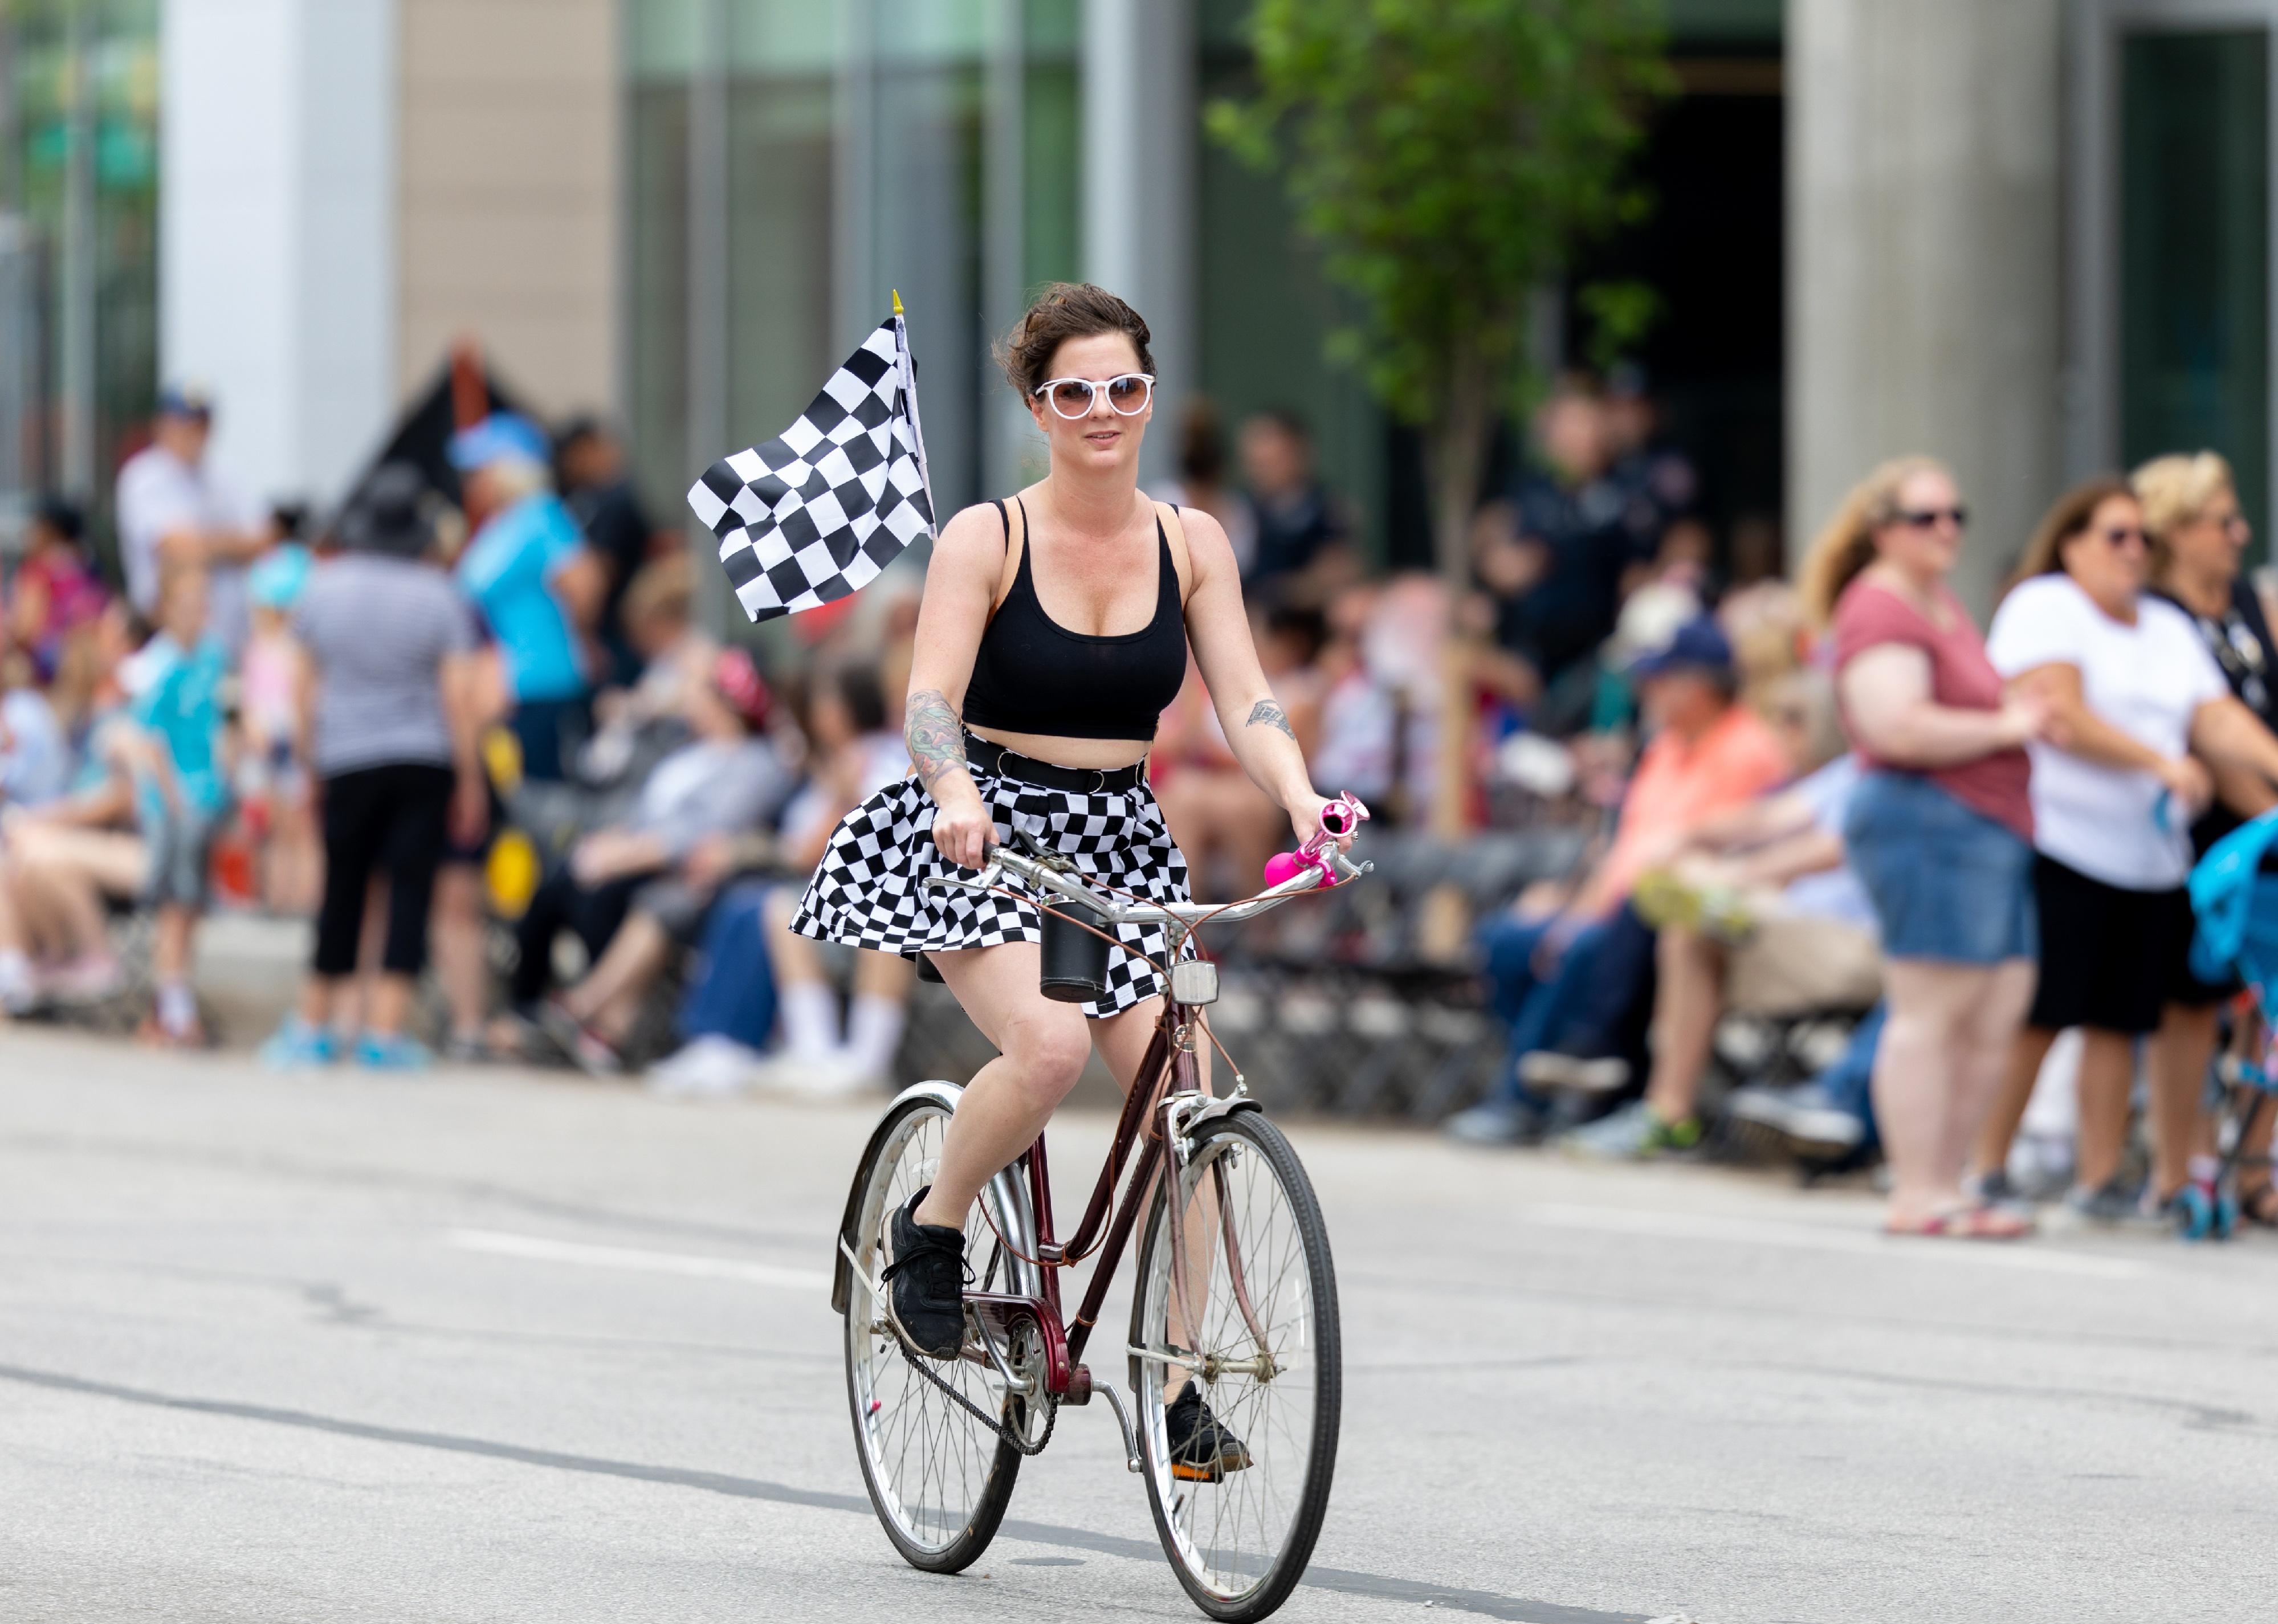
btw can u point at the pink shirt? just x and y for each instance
(1868, 616)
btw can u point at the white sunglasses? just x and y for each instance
(1128, 394)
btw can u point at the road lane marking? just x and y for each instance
(544, 1249)
(1824, 1237)
(1486, 1604)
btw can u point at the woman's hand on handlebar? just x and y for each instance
(1305, 820)
(962, 826)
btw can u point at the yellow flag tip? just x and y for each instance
(898, 301)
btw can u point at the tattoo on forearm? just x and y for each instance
(936, 737)
(1266, 713)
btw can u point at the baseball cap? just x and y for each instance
(500, 436)
(184, 401)
(277, 579)
(1700, 645)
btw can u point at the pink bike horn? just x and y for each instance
(1340, 818)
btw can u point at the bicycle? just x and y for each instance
(1247, 1261)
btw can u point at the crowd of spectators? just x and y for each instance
(538, 809)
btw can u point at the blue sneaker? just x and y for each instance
(385, 1052)
(296, 1045)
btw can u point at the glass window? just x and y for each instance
(2195, 255)
(925, 218)
(656, 267)
(781, 150)
(79, 164)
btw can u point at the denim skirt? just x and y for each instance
(1948, 881)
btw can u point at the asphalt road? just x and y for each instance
(482, 1346)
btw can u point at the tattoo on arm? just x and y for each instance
(936, 737)
(1266, 713)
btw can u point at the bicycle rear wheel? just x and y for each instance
(1262, 1297)
(938, 1478)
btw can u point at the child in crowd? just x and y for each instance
(272, 786)
(181, 789)
(56, 591)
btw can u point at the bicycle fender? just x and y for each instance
(1217, 1110)
(944, 1094)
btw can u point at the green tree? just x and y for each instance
(1449, 155)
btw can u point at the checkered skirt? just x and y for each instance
(871, 889)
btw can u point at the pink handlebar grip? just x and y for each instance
(1340, 818)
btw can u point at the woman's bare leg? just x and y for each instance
(61, 910)
(2179, 1057)
(1913, 1083)
(2003, 1117)
(455, 934)
(1122, 1041)
(116, 862)
(1687, 1001)
(1985, 1043)
(622, 976)
(1041, 1046)
(2107, 1076)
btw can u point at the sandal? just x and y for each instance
(1981, 1222)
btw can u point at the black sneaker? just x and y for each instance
(1203, 1448)
(927, 1275)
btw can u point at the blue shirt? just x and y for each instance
(508, 570)
(182, 706)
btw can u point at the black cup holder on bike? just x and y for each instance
(1074, 960)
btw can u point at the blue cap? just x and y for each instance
(184, 401)
(497, 437)
(275, 581)
(1700, 645)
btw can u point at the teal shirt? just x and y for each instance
(182, 707)
(508, 570)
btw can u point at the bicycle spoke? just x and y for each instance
(1229, 1536)
(930, 1464)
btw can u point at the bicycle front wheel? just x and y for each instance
(938, 1477)
(1254, 1329)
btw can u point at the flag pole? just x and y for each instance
(909, 368)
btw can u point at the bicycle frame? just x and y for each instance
(1150, 1120)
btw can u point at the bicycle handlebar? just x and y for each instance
(1072, 889)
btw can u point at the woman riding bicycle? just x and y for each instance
(1054, 633)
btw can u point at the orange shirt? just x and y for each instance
(1678, 784)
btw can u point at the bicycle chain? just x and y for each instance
(1002, 1429)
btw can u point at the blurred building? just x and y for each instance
(2032, 236)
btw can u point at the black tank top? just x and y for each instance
(1032, 675)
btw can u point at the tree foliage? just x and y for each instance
(1448, 155)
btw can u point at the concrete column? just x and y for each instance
(1925, 272)
(277, 284)
(1139, 188)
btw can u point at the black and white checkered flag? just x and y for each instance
(816, 513)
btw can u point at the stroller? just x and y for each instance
(2234, 896)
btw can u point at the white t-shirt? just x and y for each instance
(159, 494)
(2148, 680)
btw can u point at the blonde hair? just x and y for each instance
(2172, 492)
(1845, 543)
(513, 478)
